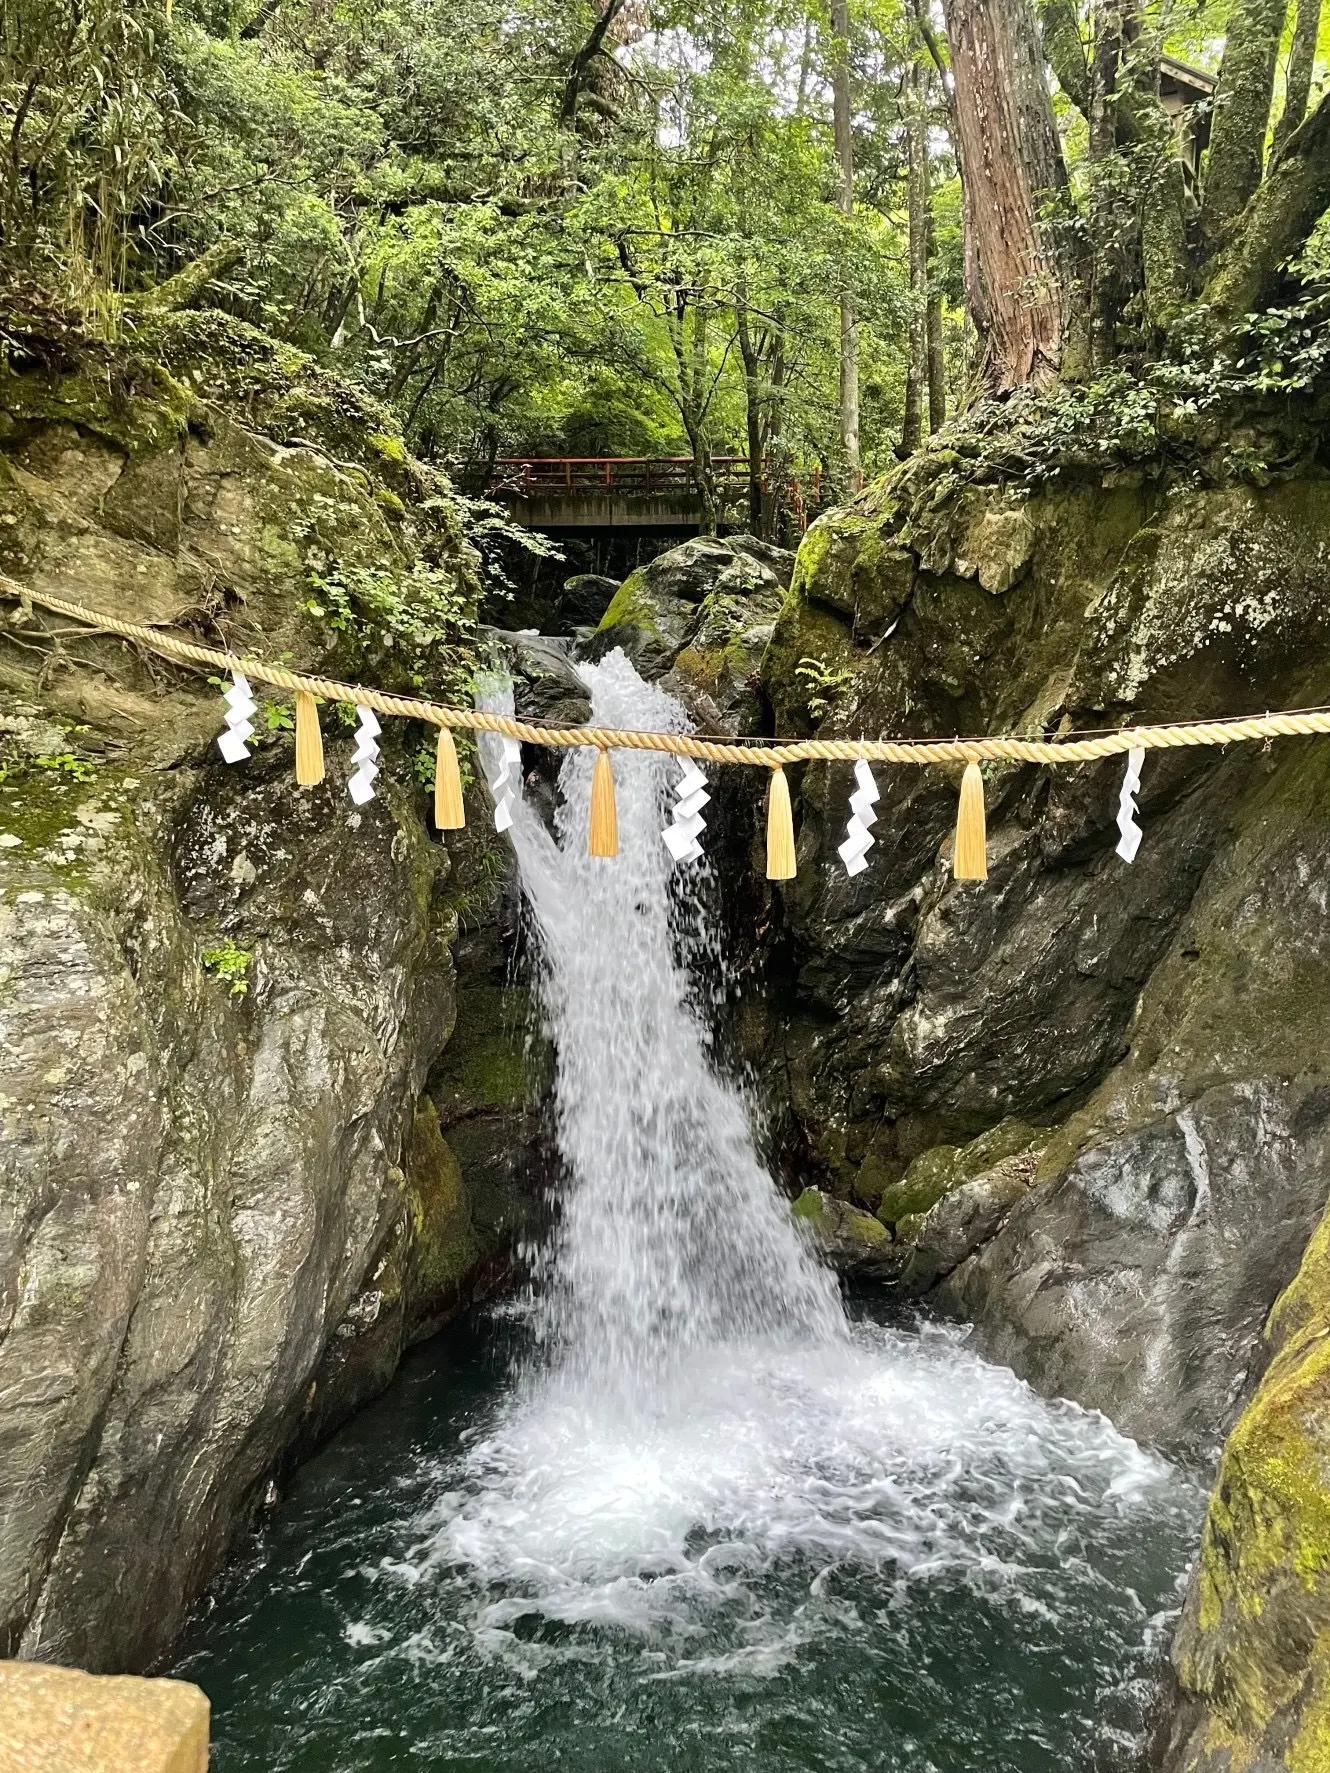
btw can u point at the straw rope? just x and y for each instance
(769, 754)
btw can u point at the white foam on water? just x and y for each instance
(699, 1416)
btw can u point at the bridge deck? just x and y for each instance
(609, 492)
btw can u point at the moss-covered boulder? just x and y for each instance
(944, 1168)
(703, 613)
(1252, 1653)
(851, 1240)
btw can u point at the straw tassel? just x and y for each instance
(780, 829)
(309, 741)
(603, 839)
(449, 813)
(970, 852)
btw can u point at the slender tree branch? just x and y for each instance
(1301, 62)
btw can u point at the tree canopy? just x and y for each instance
(633, 227)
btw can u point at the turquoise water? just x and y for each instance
(969, 1579)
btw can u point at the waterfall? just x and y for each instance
(696, 1419)
(672, 1237)
(709, 1519)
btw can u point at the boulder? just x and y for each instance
(546, 685)
(586, 597)
(60, 1720)
(704, 614)
(852, 1241)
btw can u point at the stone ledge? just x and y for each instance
(60, 1720)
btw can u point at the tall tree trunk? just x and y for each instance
(1276, 222)
(934, 70)
(774, 447)
(937, 362)
(1104, 199)
(843, 122)
(1301, 61)
(1145, 128)
(703, 470)
(916, 377)
(752, 409)
(1016, 184)
(1242, 112)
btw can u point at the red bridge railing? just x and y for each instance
(659, 477)
(633, 476)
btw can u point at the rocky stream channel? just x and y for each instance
(275, 1098)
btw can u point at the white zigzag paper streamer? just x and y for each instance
(858, 839)
(365, 757)
(505, 782)
(1127, 808)
(240, 704)
(686, 822)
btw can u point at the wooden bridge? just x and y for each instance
(619, 492)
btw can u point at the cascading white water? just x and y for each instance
(698, 1412)
(672, 1237)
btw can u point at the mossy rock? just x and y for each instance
(134, 404)
(444, 1245)
(849, 564)
(803, 632)
(851, 1240)
(485, 1068)
(944, 1168)
(1252, 1653)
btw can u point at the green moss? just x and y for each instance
(384, 444)
(703, 666)
(850, 564)
(835, 1223)
(630, 607)
(943, 1168)
(1263, 1581)
(810, 1205)
(444, 1245)
(56, 816)
(485, 1067)
(136, 406)
(1309, 1750)
(931, 1175)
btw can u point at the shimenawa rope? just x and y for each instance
(768, 754)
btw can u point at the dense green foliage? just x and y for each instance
(554, 228)
(606, 226)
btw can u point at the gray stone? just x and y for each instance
(703, 613)
(546, 686)
(586, 597)
(220, 1000)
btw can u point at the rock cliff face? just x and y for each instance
(1089, 1102)
(1085, 1105)
(1146, 1034)
(225, 1199)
